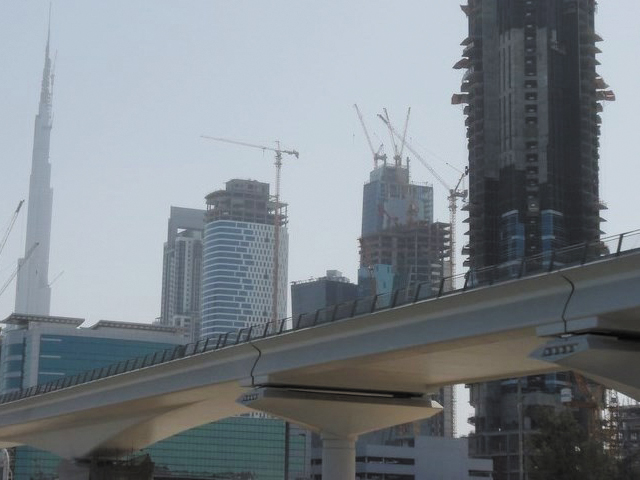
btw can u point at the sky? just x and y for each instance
(138, 82)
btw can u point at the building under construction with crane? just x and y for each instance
(239, 258)
(401, 247)
(532, 98)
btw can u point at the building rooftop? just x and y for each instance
(23, 319)
(332, 275)
(103, 324)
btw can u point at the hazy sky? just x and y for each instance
(138, 82)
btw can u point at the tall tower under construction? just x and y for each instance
(531, 94)
(33, 294)
(531, 97)
(401, 247)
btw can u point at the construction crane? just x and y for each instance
(277, 216)
(12, 222)
(397, 154)
(56, 278)
(377, 155)
(454, 193)
(17, 269)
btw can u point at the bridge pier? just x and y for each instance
(339, 417)
(338, 457)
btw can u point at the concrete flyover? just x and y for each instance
(350, 376)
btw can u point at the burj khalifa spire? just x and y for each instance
(33, 294)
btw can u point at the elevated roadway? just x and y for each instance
(350, 376)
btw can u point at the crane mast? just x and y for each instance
(377, 155)
(12, 222)
(17, 269)
(277, 216)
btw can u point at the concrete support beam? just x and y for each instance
(609, 360)
(339, 417)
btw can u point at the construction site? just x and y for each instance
(401, 246)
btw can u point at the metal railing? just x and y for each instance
(547, 262)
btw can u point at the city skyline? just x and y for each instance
(107, 164)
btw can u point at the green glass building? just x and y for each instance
(38, 349)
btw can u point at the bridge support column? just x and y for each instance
(338, 457)
(339, 417)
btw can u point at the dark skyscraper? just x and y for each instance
(33, 294)
(310, 295)
(532, 101)
(531, 94)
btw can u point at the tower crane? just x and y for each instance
(454, 193)
(397, 154)
(377, 155)
(12, 222)
(17, 269)
(277, 216)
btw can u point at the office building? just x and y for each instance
(428, 458)
(316, 293)
(531, 97)
(243, 223)
(40, 349)
(33, 294)
(182, 272)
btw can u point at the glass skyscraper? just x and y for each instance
(238, 258)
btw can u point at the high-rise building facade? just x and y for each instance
(33, 294)
(390, 199)
(314, 294)
(239, 285)
(182, 271)
(401, 246)
(531, 94)
(531, 97)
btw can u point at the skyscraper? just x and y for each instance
(531, 94)
(400, 247)
(33, 294)
(182, 271)
(238, 285)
